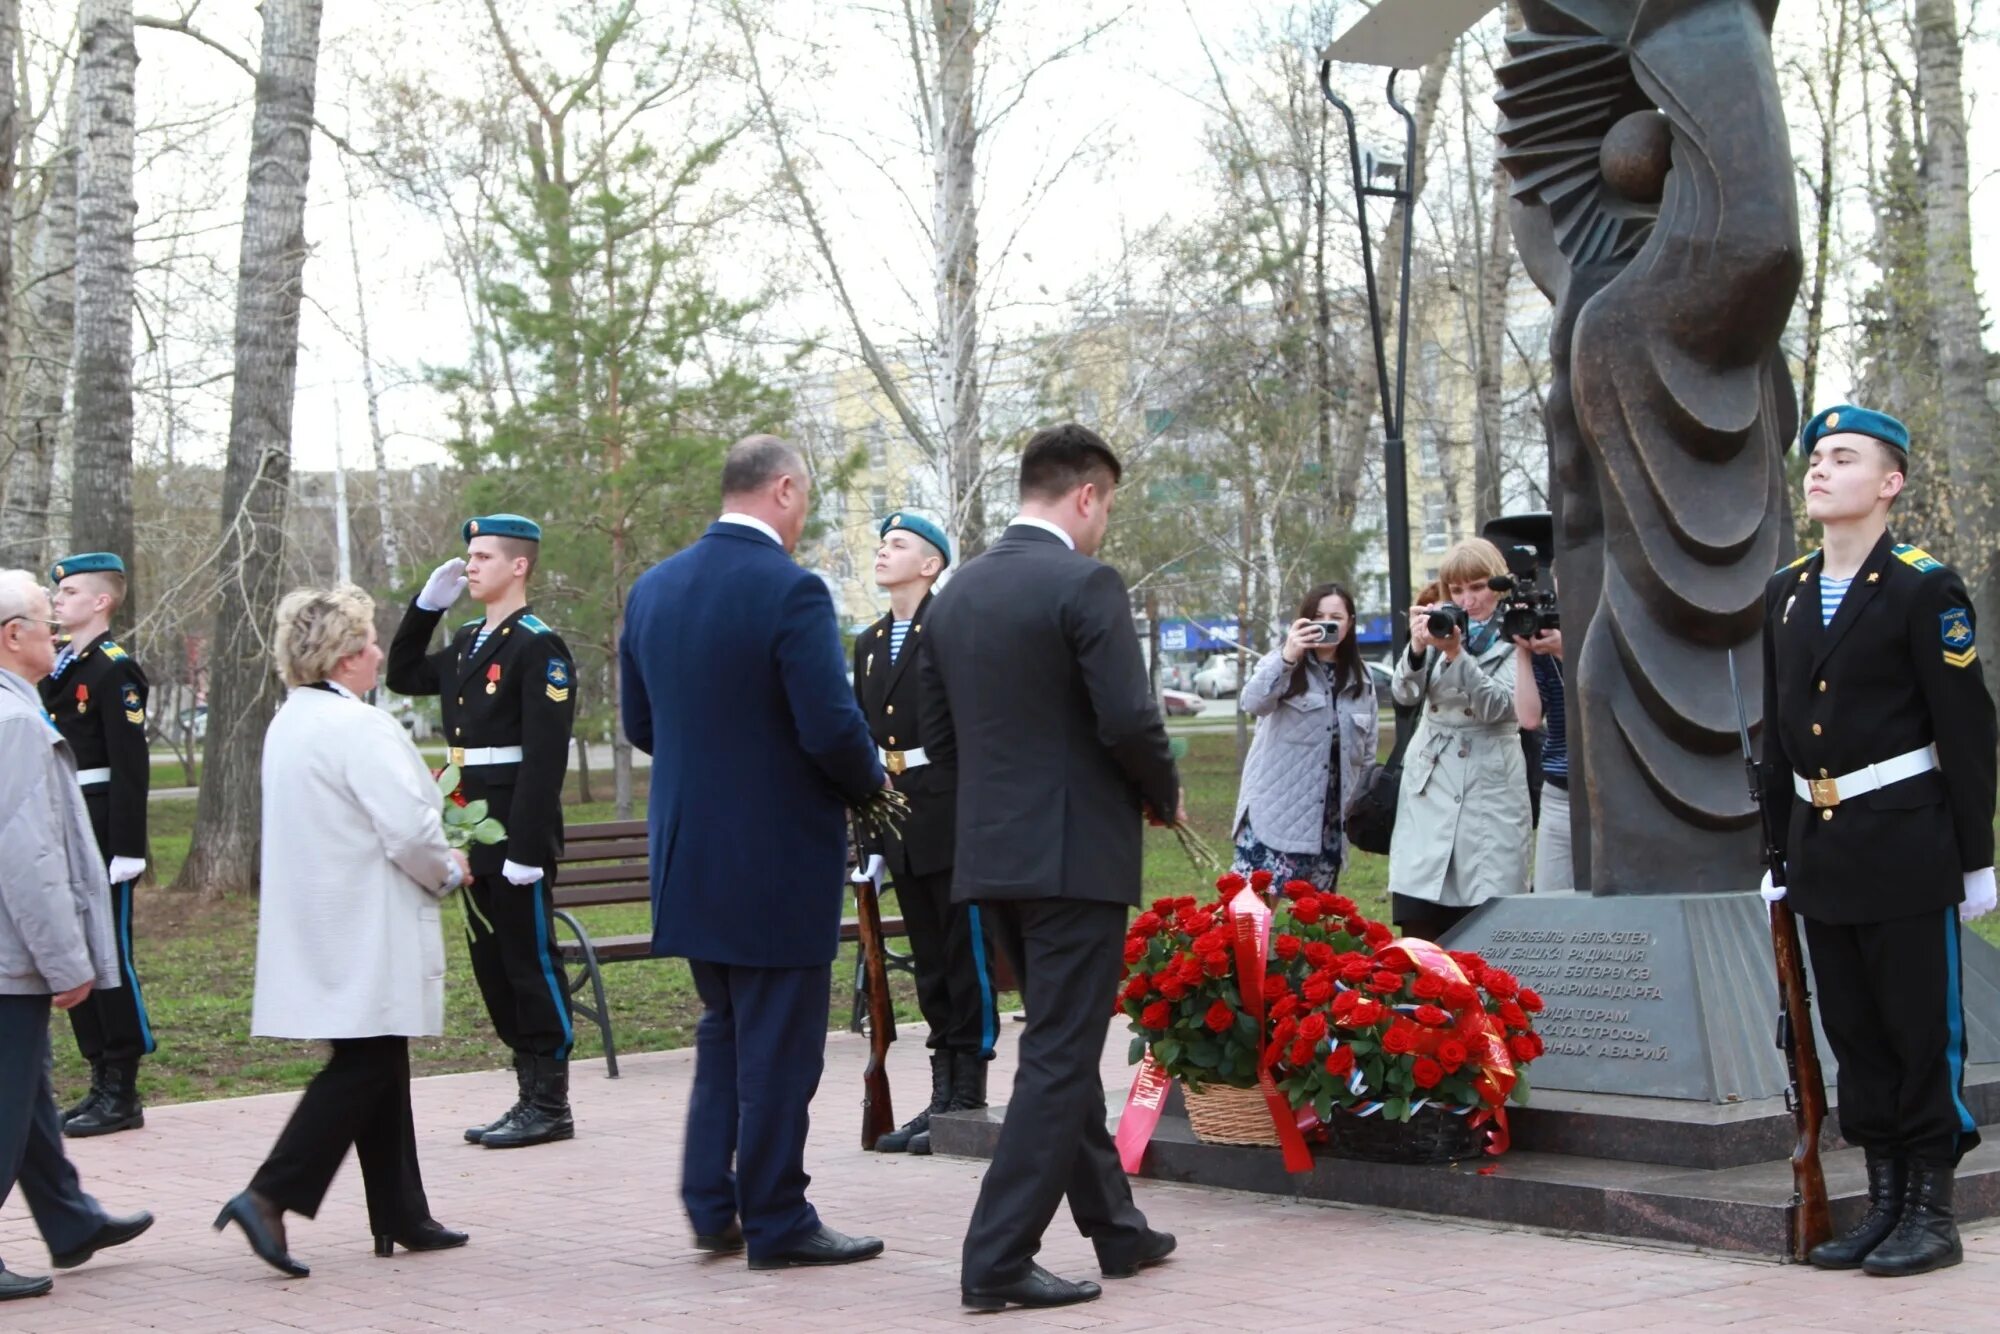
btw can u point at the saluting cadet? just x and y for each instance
(947, 941)
(1879, 746)
(97, 696)
(506, 685)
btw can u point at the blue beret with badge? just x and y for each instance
(1846, 417)
(918, 525)
(503, 525)
(87, 562)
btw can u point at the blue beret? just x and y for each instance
(502, 525)
(86, 562)
(1861, 421)
(922, 527)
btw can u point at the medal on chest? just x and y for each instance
(493, 679)
(82, 698)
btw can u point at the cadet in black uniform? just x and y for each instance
(1879, 762)
(947, 941)
(506, 684)
(97, 696)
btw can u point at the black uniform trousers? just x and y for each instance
(112, 1024)
(759, 1048)
(517, 966)
(1889, 998)
(1068, 954)
(360, 1097)
(949, 948)
(31, 1142)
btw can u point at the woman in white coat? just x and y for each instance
(1462, 819)
(349, 948)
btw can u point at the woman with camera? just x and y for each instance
(1315, 739)
(1462, 817)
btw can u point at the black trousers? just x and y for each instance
(31, 1142)
(361, 1097)
(517, 967)
(1068, 954)
(954, 972)
(1889, 998)
(112, 1024)
(1423, 919)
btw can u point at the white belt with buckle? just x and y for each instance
(464, 755)
(896, 761)
(1824, 792)
(92, 777)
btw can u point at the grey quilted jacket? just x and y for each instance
(1284, 776)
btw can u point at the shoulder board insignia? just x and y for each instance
(113, 652)
(1803, 559)
(535, 624)
(1917, 558)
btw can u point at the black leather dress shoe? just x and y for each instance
(1126, 1261)
(429, 1235)
(264, 1225)
(111, 1232)
(13, 1285)
(726, 1242)
(1038, 1288)
(824, 1247)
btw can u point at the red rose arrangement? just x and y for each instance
(1180, 991)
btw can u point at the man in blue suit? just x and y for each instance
(734, 682)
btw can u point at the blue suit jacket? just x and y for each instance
(734, 682)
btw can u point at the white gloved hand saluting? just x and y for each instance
(1771, 893)
(131, 868)
(447, 581)
(1979, 895)
(518, 874)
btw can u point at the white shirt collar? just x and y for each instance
(752, 521)
(339, 689)
(1026, 521)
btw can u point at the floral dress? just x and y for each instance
(1322, 868)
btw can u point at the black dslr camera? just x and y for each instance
(1527, 593)
(1446, 620)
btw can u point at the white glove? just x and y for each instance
(871, 870)
(131, 868)
(1772, 893)
(1979, 895)
(447, 581)
(518, 874)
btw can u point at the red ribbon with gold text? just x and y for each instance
(1142, 1112)
(1481, 1035)
(1250, 919)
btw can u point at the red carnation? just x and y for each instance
(1229, 883)
(1512, 1015)
(1156, 1015)
(1306, 910)
(1430, 1016)
(1531, 1000)
(1427, 988)
(1377, 934)
(1135, 950)
(1261, 880)
(1146, 924)
(1426, 1072)
(1499, 983)
(1298, 889)
(1525, 1046)
(1287, 947)
(1340, 1061)
(1401, 1039)
(1220, 1017)
(1452, 1054)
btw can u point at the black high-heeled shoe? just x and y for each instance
(265, 1238)
(429, 1235)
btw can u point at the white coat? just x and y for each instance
(354, 859)
(1463, 824)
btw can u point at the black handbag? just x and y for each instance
(1371, 820)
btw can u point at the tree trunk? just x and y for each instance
(242, 689)
(100, 517)
(1967, 418)
(1496, 270)
(1823, 186)
(21, 459)
(955, 218)
(387, 541)
(48, 338)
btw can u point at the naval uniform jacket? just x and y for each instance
(98, 701)
(517, 690)
(1895, 671)
(890, 694)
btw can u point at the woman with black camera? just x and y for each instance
(1462, 816)
(1315, 739)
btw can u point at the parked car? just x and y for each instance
(1176, 675)
(1181, 703)
(1217, 677)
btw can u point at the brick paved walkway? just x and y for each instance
(589, 1235)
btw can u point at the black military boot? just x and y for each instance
(91, 1095)
(544, 1116)
(905, 1138)
(474, 1134)
(117, 1106)
(1926, 1238)
(1887, 1180)
(968, 1084)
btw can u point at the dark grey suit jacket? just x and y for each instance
(1035, 687)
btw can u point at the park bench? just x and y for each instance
(604, 864)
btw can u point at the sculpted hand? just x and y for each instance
(1979, 895)
(447, 581)
(1770, 892)
(127, 868)
(518, 874)
(69, 1000)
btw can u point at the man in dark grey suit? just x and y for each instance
(1034, 686)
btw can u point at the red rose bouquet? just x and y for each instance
(1180, 992)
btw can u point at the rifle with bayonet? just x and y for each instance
(1810, 1215)
(877, 1119)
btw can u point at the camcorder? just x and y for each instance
(1527, 592)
